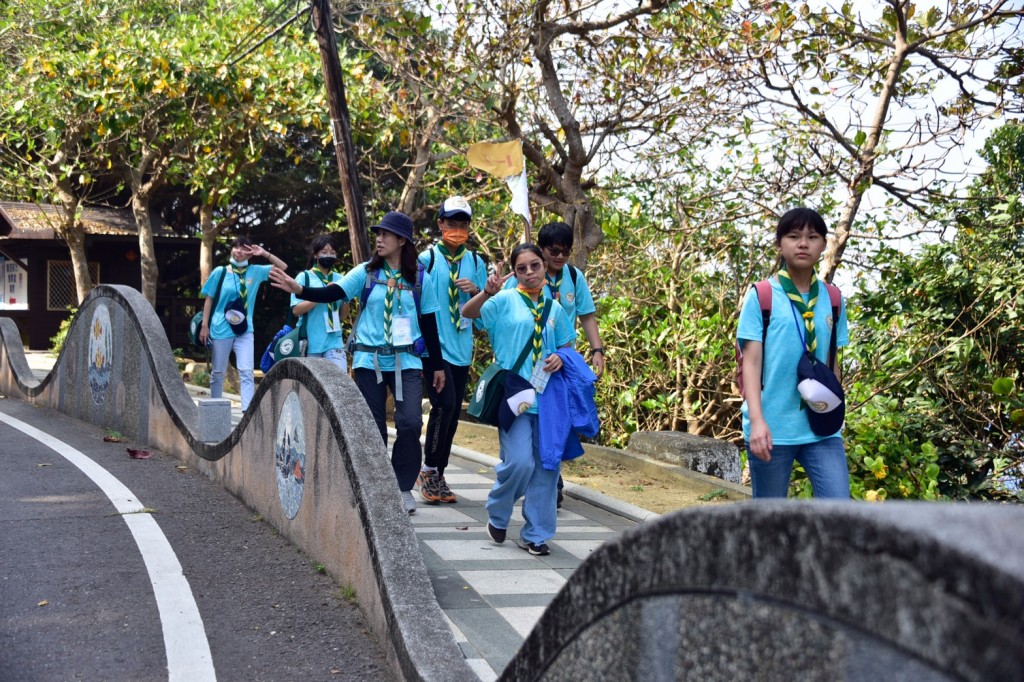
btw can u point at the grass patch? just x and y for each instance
(348, 593)
(716, 494)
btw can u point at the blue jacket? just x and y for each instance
(268, 359)
(566, 410)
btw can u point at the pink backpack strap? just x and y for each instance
(764, 295)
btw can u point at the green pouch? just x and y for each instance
(292, 345)
(487, 397)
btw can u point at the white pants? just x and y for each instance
(221, 349)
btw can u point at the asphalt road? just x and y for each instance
(78, 602)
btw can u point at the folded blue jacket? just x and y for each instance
(567, 410)
(268, 359)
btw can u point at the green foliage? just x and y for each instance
(716, 494)
(57, 340)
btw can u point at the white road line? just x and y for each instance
(188, 651)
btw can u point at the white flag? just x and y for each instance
(520, 195)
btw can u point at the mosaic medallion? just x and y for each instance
(290, 455)
(100, 353)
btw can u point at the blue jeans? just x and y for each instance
(824, 461)
(220, 350)
(520, 473)
(407, 454)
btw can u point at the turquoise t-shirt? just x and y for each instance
(783, 347)
(575, 299)
(255, 275)
(319, 317)
(509, 323)
(456, 338)
(371, 322)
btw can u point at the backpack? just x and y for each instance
(763, 290)
(195, 325)
(364, 295)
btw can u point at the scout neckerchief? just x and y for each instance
(556, 284)
(538, 310)
(806, 310)
(389, 301)
(239, 272)
(332, 307)
(453, 271)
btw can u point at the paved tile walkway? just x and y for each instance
(494, 594)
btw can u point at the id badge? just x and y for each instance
(401, 330)
(464, 322)
(332, 320)
(539, 378)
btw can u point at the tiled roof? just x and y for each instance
(19, 220)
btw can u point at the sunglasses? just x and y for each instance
(527, 268)
(558, 251)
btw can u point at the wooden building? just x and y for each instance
(39, 282)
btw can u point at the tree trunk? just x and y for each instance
(207, 243)
(860, 183)
(147, 252)
(69, 228)
(414, 181)
(73, 233)
(143, 181)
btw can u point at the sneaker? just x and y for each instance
(409, 502)
(430, 486)
(497, 534)
(536, 550)
(445, 493)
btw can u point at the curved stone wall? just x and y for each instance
(794, 591)
(306, 456)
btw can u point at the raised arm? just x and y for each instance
(494, 284)
(328, 294)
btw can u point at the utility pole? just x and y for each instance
(341, 128)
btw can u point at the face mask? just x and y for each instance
(454, 238)
(239, 263)
(326, 262)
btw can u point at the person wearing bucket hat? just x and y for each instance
(396, 321)
(793, 399)
(227, 328)
(457, 274)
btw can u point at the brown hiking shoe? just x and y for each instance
(430, 486)
(445, 493)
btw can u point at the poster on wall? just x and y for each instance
(15, 283)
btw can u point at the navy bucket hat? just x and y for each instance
(395, 222)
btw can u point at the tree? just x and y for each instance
(939, 345)
(582, 85)
(880, 100)
(44, 135)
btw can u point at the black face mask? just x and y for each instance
(326, 262)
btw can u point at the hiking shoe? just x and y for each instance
(445, 493)
(430, 486)
(409, 502)
(536, 550)
(497, 534)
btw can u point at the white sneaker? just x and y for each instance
(409, 501)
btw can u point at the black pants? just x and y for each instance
(406, 453)
(445, 408)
